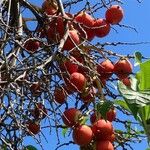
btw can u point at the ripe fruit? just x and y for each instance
(114, 14)
(42, 32)
(72, 38)
(123, 68)
(86, 21)
(105, 69)
(60, 95)
(33, 127)
(56, 29)
(102, 128)
(126, 82)
(112, 138)
(31, 45)
(40, 111)
(78, 80)
(88, 96)
(70, 65)
(104, 145)
(82, 135)
(101, 27)
(71, 117)
(35, 89)
(67, 89)
(50, 7)
(111, 115)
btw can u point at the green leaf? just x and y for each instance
(138, 58)
(134, 99)
(134, 83)
(64, 131)
(30, 147)
(144, 114)
(144, 76)
(122, 104)
(104, 107)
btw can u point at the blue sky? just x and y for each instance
(137, 16)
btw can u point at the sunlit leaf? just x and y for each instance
(144, 114)
(144, 76)
(134, 83)
(122, 104)
(134, 99)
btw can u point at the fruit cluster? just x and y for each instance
(75, 72)
(100, 133)
(56, 62)
(81, 26)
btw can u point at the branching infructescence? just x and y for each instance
(45, 71)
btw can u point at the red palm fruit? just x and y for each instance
(90, 33)
(111, 115)
(49, 7)
(56, 29)
(60, 95)
(32, 45)
(70, 65)
(105, 69)
(104, 145)
(126, 82)
(101, 27)
(40, 111)
(35, 89)
(85, 32)
(114, 14)
(78, 80)
(86, 21)
(33, 127)
(42, 33)
(110, 137)
(102, 128)
(73, 37)
(88, 96)
(123, 68)
(67, 89)
(82, 135)
(71, 117)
